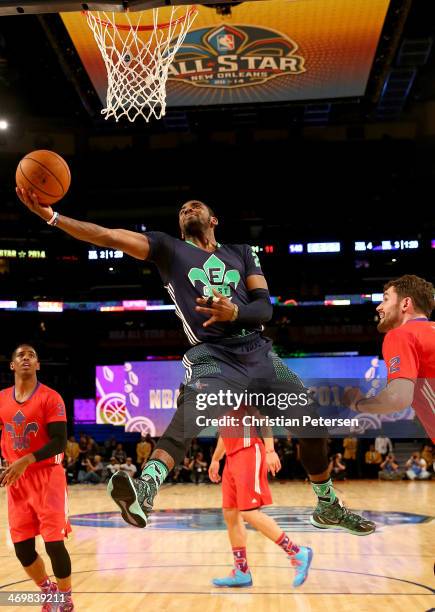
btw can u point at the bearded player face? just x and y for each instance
(195, 218)
(389, 311)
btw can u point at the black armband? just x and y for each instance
(259, 310)
(58, 437)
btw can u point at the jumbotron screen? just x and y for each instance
(142, 396)
(271, 51)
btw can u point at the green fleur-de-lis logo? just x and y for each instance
(213, 276)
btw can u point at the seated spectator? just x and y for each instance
(337, 468)
(72, 450)
(427, 455)
(390, 469)
(417, 468)
(183, 472)
(119, 454)
(93, 472)
(199, 468)
(144, 448)
(129, 467)
(112, 467)
(72, 455)
(373, 460)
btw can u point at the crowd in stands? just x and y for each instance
(88, 462)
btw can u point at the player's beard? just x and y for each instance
(195, 226)
(390, 320)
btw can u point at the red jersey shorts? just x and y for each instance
(38, 504)
(244, 481)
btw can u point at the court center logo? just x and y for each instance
(295, 519)
(213, 276)
(20, 431)
(235, 56)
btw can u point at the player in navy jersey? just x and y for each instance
(222, 299)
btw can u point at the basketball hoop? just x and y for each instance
(137, 58)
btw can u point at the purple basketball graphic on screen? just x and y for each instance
(110, 396)
(151, 391)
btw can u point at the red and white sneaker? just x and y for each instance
(67, 605)
(50, 590)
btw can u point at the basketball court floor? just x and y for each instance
(169, 565)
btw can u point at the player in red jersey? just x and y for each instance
(245, 490)
(33, 423)
(408, 351)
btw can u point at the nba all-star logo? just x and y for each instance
(213, 275)
(235, 56)
(20, 431)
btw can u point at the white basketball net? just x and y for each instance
(137, 59)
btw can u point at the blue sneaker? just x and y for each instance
(301, 562)
(237, 578)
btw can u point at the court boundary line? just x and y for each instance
(111, 569)
(225, 552)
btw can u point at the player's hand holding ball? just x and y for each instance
(30, 200)
(43, 178)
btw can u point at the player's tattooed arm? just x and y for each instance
(131, 243)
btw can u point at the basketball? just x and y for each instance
(46, 173)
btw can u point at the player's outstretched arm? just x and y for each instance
(132, 243)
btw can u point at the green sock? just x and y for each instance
(156, 471)
(325, 491)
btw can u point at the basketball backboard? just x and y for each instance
(33, 7)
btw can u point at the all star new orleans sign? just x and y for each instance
(235, 56)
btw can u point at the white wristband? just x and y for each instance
(54, 219)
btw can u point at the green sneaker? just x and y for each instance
(335, 515)
(133, 496)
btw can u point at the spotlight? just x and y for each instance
(3, 124)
